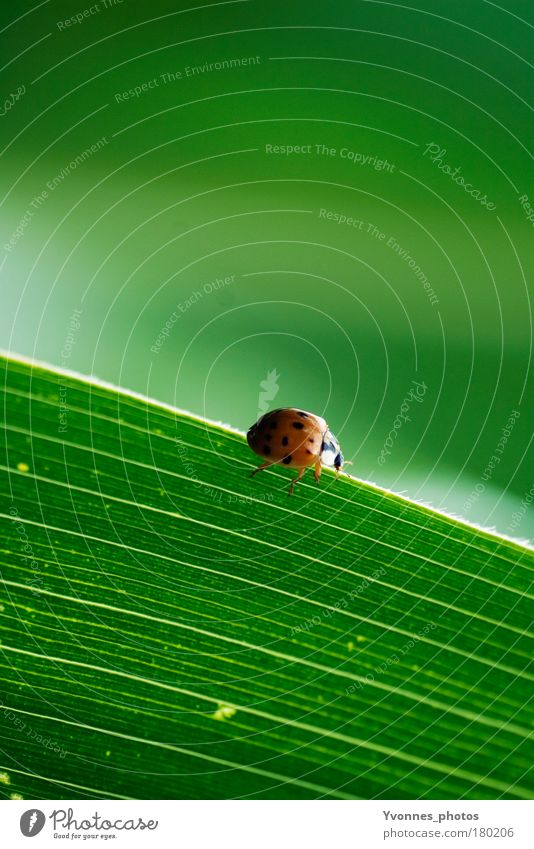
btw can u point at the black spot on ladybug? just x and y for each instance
(308, 451)
(268, 436)
(304, 415)
(298, 425)
(323, 445)
(285, 440)
(266, 449)
(311, 439)
(273, 425)
(287, 460)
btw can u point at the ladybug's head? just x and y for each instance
(338, 462)
(330, 452)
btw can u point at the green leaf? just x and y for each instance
(172, 628)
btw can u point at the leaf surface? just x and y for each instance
(172, 628)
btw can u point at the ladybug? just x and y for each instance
(295, 439)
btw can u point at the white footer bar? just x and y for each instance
(269, 824)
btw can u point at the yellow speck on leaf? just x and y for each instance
(4, 778)
(23, 467)
(360, 639)
(16, 797)
(224, 711)
(350, 645)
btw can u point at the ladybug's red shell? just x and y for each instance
(296, 439)
(288, 436)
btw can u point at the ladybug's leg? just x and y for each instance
(294, 481)
(317, 471)
(260, 469)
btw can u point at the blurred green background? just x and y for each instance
(140, 166)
